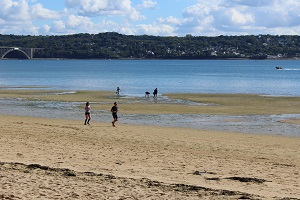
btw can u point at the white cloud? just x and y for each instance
(241, 16)
(153, 29)
(79, 22)
(39, 12)
(280, 14)
(126, 30)
(46, 28)
(104, 8)
(213, 17)
(147, 4)
(14, 11)
(58, 27)
(198, 10)
(73, 24)
(169, 20)
(237, 17)
(15, 18)
(251, 3)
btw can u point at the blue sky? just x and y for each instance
(150, 17)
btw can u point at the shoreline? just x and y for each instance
(98, 160)
(179, 103)
(221, 112)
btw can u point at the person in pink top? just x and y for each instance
(87, 113)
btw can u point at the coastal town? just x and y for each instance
(112, 45)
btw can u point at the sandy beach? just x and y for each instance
(63, 159)
(47, 158)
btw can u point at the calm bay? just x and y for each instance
(134, 77)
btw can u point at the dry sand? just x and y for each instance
(63, 159)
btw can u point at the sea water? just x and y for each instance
(135, 77)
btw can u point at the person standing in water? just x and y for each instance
(87, 113)
(118, 91)
(114, 111)
(155, 93)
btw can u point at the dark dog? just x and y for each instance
(147, 94)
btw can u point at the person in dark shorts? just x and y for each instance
(118, 91)
(155, 93)
(114, 111)
(87, 113)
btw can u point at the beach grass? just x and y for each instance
(219, 104)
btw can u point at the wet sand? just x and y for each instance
(217, 104)
(221, 112)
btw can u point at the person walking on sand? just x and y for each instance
(114, 111)
(87, 113)
(155, 93)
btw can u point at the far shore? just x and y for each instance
(255, 59)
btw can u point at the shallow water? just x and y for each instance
(257, 124)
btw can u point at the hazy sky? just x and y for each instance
(150, 17)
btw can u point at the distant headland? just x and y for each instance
(111, 45)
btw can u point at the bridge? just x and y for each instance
(28, 52)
